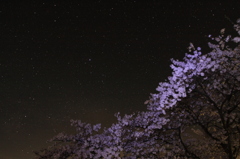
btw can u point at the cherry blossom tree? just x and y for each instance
(194, 114)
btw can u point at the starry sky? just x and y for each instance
(88, 60)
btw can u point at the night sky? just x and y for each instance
(88, 60)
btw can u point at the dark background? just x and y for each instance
(90, 59)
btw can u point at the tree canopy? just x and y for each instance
(194, 114)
